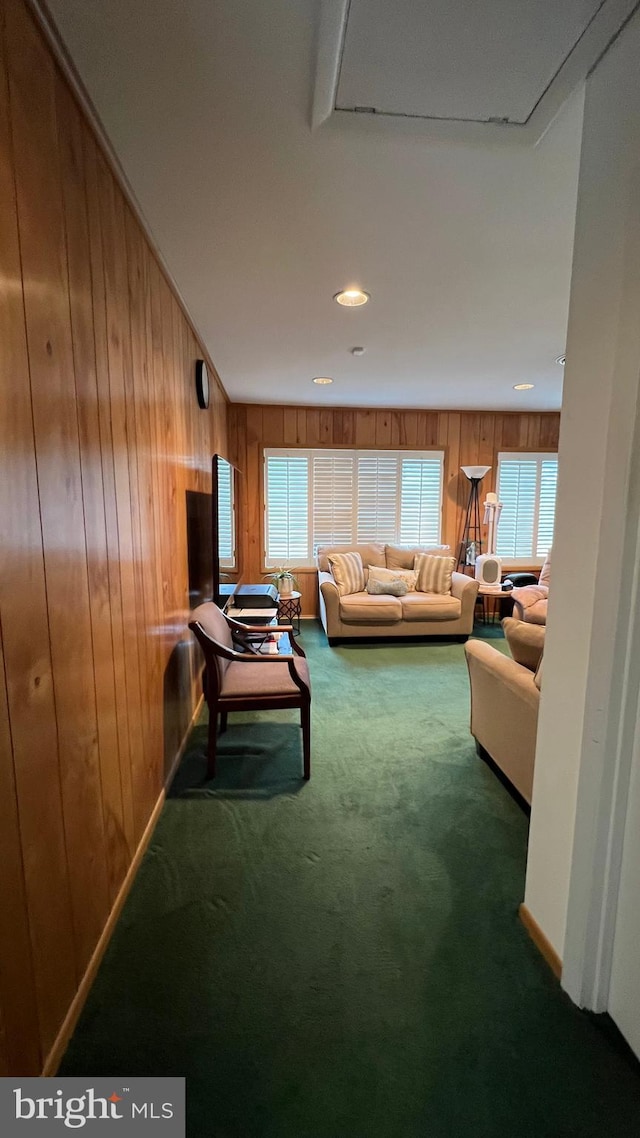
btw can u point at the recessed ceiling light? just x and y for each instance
(561, 360)
(352, 297)
(523, 386)
(322, 379)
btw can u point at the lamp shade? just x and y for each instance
(475, 471)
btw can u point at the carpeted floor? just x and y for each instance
(343, 957)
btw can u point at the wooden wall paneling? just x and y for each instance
(533, 431)
(118, 347)
(115, 764)
(137, 416)
(289, 427)
(453, 484)
(162, 491)
(46, 299)
(428, 430)
(273, 425)
(326, 427)
(37, 972)
(313, 435)
(238, 414)
(101, 437)
(184, 650)
(343, 428)
(383, 429)
(72, 152)
(549, 431)
(365, 429)
(19, 1043)
(255, 496)
(169, 440)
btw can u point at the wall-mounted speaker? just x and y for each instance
(488, 569)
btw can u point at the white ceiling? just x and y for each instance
(464, 247)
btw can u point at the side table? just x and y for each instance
(290, 611)
(502, 600)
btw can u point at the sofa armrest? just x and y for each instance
(526, 598)
(329, 599)
(462, 585)
(465, 589)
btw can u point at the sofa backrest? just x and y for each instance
(545, 572)
(401, 556)
(371, 555)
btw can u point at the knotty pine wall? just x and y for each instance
(100, 436)
(467, 437)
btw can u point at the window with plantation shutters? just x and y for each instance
(287, 528)
(527, 490)
(226, 525)
(322, 497)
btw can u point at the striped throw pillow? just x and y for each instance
(348, 572)
(434, 573)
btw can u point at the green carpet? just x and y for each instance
(344, 957)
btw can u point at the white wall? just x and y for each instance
(585, 645)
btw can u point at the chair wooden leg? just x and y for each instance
(223, 722)
(305, 722)
(212, 743)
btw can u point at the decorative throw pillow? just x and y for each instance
(409, 576)
(348, 572)
(397, 588)
(434, 573)
(525, 640)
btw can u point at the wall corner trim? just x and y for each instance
(544, 946)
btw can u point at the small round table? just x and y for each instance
(289, 610)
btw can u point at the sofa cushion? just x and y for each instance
(348, 572)
(537, 679)
(394, 588)
(430, 606)
(409, 576)
(526, 641)
(434, 573)
(403, 556)
(372, 554)
(362, 608)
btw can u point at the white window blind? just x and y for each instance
(527, 490)
(287, 485)
(320, 497)
(226, 526)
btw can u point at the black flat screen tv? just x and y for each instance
(211, 535)
(199, 547)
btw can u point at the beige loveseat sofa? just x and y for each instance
(415, 614)
(505, 697)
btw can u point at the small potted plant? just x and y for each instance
(284, 580)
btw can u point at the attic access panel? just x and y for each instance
(457, 60)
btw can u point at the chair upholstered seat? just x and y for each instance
(239, 679)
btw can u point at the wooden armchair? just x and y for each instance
(247, 681)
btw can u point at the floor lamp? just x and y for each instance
(471, 540)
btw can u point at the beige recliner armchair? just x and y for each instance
(530, 602)
(505, 698)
